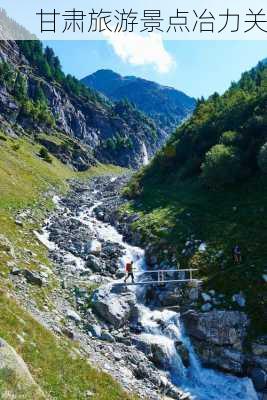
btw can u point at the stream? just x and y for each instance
(201, 383)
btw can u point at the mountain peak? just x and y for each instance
(167, 106)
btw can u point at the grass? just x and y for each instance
(172, 212)
(27, 183)
(56, 365)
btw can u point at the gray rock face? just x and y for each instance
(217, 327)
(218, 337)
(114, 307)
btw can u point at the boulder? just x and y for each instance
(23, 382)
(15, 271)
(206, 297)
(153, 347)
(114, 304)
(217, 327)
(259, 348)
(95, 330)
(107, 337)
(33, 277)
(259, 378)
(206, 307)
(94, 263)
(218, 338)
(69, 333)
(239, 299)
(73, 315)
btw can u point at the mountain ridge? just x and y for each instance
(167, 106)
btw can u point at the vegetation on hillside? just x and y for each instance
(209, 184)
(33, 106)
(235, 121)
(47, 64)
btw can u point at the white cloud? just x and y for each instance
(137, 49)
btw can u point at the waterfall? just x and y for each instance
(145, 154)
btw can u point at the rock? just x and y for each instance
(193, 294)
(157, 349)
(73, 315)
(206, 307)
(260, 348)
(6, 246)
(69, 333)
(106, 336)
(169, 298)
(261, 362)
(118, 356)
(259, 378)
(218, 338)
(239, 299)
(57, 330)
(217, 326)
(94, 263)
(183, 352)
(33, 277)
(206, 297)
(13, 364)
(15, 271)
(89, 394)
(96, 330)
(115, 308)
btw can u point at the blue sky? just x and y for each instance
(195, 67)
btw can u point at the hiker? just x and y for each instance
(129, 271)
(237, 254)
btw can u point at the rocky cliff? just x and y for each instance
(31, 100)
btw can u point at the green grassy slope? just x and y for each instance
(26, 181)
(173, 212)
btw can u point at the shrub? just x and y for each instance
(15, 147)
(45, 155)
(221, 166)
(20, 88)
(262, 158)
(38, 112)
(229, 138)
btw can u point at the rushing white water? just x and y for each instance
(201, 383)
(165, 328)
(145, 155)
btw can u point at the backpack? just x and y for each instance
(129, 267)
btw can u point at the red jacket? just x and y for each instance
(129, 267)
